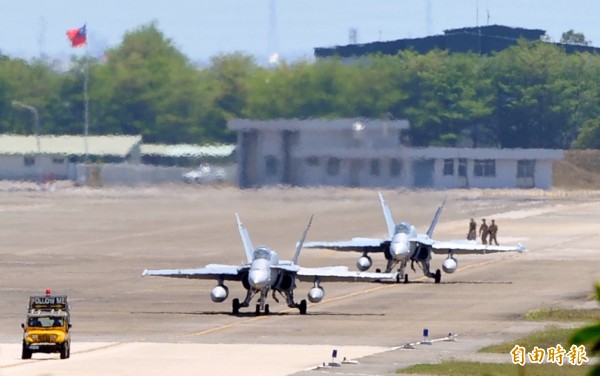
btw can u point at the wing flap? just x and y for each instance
(342, 274)
(212, 271)
(472, 247)
(355, 245)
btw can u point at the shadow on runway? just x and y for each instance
(254, 314)
(458, 283)
(477, 283)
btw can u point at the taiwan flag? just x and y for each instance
(77, 36)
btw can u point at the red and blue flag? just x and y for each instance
(77, 36)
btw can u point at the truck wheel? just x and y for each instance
(26, 353)
(64, 350)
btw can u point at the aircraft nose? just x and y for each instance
(399, 249)
(258, 279)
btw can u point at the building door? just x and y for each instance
(423, 173)
(463, 180)
(356, 166)
(248, 159)
(526, 173)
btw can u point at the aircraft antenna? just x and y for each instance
(428, 18)
(273, 53)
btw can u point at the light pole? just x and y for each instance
(36, 118)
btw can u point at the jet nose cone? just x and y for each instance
(399, 250)
(258, 279)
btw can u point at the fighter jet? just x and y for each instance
(264, 273)
(404, 244)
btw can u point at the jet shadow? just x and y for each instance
(254, 314)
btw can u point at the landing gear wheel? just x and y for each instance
(64, 351)
(377, 270)
(235, 306)
(438, 276)
(258, 309)
(26, 353)
(406, 278)
(267, 309)
(302, 307)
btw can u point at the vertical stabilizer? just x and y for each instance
(248, 247)
(435, 219)
(389, 221)
(301, 242)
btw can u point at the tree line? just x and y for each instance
(532, 95)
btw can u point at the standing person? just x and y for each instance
(493, 230)
(483, 231)
(472, 234)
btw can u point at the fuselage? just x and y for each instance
(402, 243)
(261, 275)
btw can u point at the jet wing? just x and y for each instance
(471, 247)
(336, 274)
(355, 245)
(212, 271)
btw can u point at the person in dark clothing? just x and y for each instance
(483, 231)
(472, 234)
(493, 231)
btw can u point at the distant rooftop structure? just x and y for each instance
(187, 150)
(120, 146)
(482, 39)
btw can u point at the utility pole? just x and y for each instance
(36, 118)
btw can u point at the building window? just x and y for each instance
(485, 167)
(28, 160)
(271, 165)
(333, 166)
(395, 167)
(312, 161)
(448, 167)
(375, 167)
(462, 167)
(525, 168)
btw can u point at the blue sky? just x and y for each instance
(201, 28)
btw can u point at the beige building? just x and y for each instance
(369, 153)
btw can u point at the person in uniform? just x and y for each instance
(483, 231)
(493, 231)
(472, 234)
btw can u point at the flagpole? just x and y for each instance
(86, 100)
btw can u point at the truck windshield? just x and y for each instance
(46, 321)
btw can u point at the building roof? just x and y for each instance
(187, 150)
(481, 39)
(314, 124)
(68, 145)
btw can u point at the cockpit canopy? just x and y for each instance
(263, 253)
(405, 228)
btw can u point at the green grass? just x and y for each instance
(545, 338)
(454, 368)
(554, 314)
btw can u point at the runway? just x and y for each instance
(93, 244)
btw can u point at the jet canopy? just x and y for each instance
(403, 228)
(262, 253)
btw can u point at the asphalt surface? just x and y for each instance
(93, 244)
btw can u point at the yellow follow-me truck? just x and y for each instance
(47, 326)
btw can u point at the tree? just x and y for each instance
(148, 87)
(590, 335)
(571, 37)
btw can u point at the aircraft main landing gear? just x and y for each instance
(438, 276)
